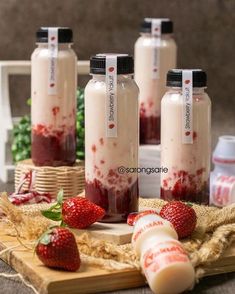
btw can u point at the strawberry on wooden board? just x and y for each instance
(76, 212)
(182, 216)
(80, 213)
(57, 248)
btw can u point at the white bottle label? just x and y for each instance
(156, 34)
(150, 225)
(52, 65)
(223, 190)
(111, 97)
(163, 255)
(187, 118)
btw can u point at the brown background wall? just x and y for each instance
(204, 31)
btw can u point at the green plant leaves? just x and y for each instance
(80, 125)
(21, 145)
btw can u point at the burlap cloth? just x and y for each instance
(214, 233)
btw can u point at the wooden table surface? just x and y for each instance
(220, 284)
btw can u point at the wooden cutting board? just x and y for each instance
(88, 279)
(47, 281)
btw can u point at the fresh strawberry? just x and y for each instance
(134, 216)
(131, 218)
(76, 212)
(57, 248)
(80, 213)
(182, 216)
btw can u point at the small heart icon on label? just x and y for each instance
(187, 81)
(111, 126)
(111, 69)
(156, 29)
(187, 133)
(52, 38)
(52, 85)
(155, 69)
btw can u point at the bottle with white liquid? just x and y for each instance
(111, 136)
(186, 137)
(155, 54)
(222, 180)
(53, 90)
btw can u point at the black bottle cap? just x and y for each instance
(65, 35)
(125, 64)
(166, 25)
(174, 78)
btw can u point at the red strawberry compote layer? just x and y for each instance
(53, 146)
(149, 126)
(53, 90)
(185, 140)
(111, 138)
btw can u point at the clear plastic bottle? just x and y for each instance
(53, 90)
(111, 136)
(155, 54)
(222, 179)
(186, 137)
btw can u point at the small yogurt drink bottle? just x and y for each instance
(222, 179)
(111, 136)
(53, 90)
(155, 54)
(163, 259)
(186, 137)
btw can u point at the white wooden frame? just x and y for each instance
(7, 68)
